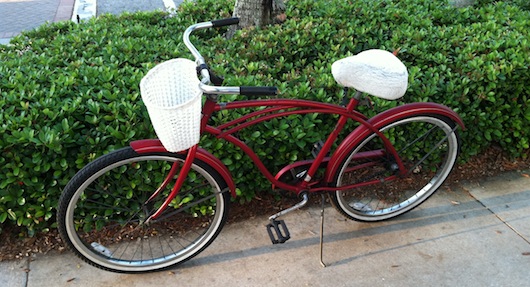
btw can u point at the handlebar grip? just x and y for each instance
(225, 22)
(258, 91)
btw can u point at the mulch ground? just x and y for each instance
(490, 163)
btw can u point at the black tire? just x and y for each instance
(102, 211)
(428, 146)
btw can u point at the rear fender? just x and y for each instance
(380, 120)
(154, 145)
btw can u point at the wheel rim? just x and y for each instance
(388, 199)
(130, 247)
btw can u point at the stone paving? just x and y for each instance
(20, 15)
(104, 7)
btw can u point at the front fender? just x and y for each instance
(154, 145)
(383, 119)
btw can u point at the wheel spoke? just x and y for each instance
(103, 212)
(428, 148)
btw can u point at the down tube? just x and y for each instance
(254, 157)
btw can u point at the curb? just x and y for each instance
(84, 10)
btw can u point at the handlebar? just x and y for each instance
(225, 22)
(203, 68)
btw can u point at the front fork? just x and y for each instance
(183, 174)
(207, 110)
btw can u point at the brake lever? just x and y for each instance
(213, 78)
(216, 80)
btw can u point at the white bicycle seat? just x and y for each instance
(376, 72)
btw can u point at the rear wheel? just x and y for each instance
(103, 210)
(428, 146)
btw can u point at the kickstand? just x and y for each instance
(322, 231)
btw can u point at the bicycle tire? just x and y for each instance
(429, 147)
(102, 212)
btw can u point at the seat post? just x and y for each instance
(354, 102)
(358, 95)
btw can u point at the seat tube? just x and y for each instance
(327, 146)
(352, 104)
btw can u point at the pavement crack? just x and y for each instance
(498, 217)
(27, 270)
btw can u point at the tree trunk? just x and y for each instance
(462, 3)
(258, 13)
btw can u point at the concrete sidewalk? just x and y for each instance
(18, 16)
(21, 15)
(473, 234)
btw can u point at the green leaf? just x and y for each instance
(129, 194)
(12, 214)
(527, 114)
(21, 201)
(3, 217)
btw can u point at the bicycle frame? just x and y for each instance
(276, 108)
(167, 207)
(281, 108)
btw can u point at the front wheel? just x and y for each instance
(103, 210)
(428, 146)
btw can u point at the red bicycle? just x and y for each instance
(159, 202)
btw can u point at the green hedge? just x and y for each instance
(69, 92)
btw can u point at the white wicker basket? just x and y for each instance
(172, 96)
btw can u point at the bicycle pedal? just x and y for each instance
(278, 231)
